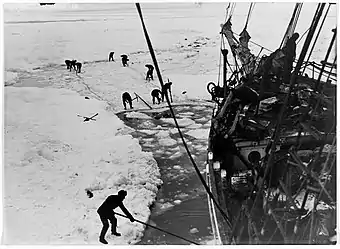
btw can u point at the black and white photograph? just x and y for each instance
(169, 123)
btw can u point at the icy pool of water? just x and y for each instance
(181, 205)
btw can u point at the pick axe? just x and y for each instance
(135, 98)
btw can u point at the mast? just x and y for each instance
(272, 146)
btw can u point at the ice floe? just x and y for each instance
(201, 119)
(137, 115)
(177, 202)
(199, 133)
(147, 124)
(182, 122)
(149, 132)
(176, 155)
(194, 126)
(167, 142)
(163, 134)
(173, 131)
(194, 230)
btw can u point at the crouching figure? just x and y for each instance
(126, 98)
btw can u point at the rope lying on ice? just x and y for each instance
(175, 120)
(160, 229)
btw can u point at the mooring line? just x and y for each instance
(160, 229)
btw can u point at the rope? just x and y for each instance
(173, 115)
(277, 130)
(231, 11)
(256, 44)
(160, 229)
(249, 13)
(298, 15)
(226, 14)
(325, 60)
(302, 35)
(291, 24)
(253, 60)
(317, 36)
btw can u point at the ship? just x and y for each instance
(270, 172)
(271, 160)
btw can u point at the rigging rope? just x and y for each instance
(232, 10)
(226, 14)
(152, 53)
(222, 42)
(298, 14)
(325, 60)
(292, 23)
(251, 7)
(302, 35)
(277, 130)
(256, 44)
(317, 36)
(160, 229)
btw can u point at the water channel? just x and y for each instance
(181, 205)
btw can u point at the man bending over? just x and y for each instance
(106, 214)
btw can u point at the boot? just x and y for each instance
(102, 240)
(116, 234)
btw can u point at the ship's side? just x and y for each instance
(272, 152)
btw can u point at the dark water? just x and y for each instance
(179, 183)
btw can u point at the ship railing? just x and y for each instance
(212, 212)
(316, 68)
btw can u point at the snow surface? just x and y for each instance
(137, 115)
(53, 156)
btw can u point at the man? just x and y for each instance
(78, 65)
(125, 60)
(73, 65)
(156, 93)
(149, 73)
(68, 63)
(126, 97)
(111, 56)
(106, 213)
(165, 89)
(289, 51)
